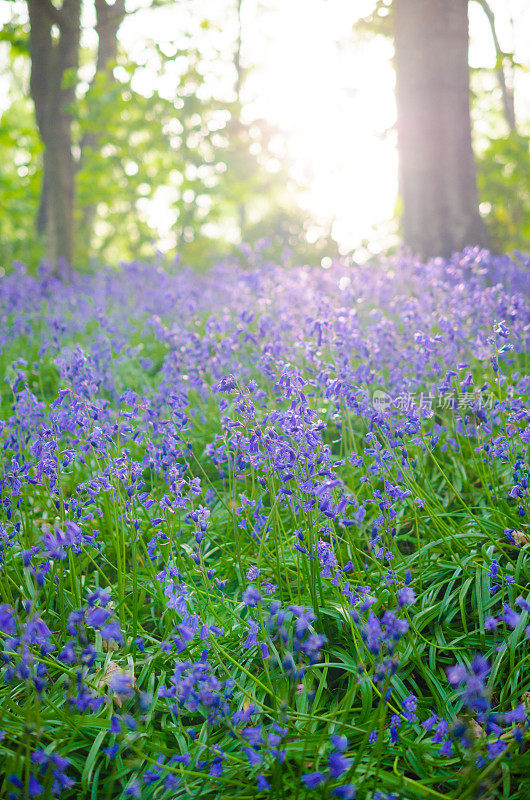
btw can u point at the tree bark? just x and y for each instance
(54, 50)
(108, 21)
(437, 173)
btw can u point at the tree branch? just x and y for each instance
(107, 14)
(507, 94)
(53, 13)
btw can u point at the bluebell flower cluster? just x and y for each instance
(264, 531)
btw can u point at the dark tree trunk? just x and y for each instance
(54, 50)
(437, 173)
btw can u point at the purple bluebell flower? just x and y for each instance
(262, 784)
(406, 596)
(338, 764)
(312, 780)
(251, 596)
(347, 792)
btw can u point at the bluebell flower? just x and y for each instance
(312, 780)
(251, 596)
(406, 596)
(340, 743)
(134, 789)
(253, 573)
(338, 764)
(35, 789)
(347, 792)
(262, 784)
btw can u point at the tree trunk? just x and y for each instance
(54, 50)
(437, 173)
(108, 21)
(59, 174)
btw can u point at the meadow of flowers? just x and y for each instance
(264, 532)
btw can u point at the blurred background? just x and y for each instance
(204, 127)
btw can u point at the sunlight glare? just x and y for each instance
(335, 98)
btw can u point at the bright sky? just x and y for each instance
(332, 95)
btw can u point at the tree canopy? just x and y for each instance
(109, 154)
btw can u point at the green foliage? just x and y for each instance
(139, 145)
(20, 152)
(378, 22)
(222, 180)
(176, 167)
(15, 34)
(504, 186)
(20, 175)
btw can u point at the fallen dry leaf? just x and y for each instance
(477, 729)
(114, 669)
(520, 538)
